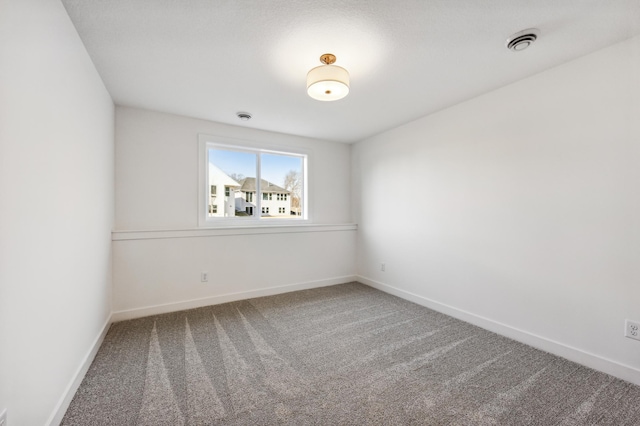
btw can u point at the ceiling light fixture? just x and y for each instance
(328, 82)
(522, 39)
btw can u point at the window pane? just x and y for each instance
(246, 183)
(231, 173)
(282, 185)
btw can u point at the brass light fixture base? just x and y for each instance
(328, 58)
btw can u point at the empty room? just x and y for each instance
(309, 213)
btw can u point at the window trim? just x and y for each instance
(206, 141)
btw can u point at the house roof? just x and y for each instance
(249, 184)
(218, 176)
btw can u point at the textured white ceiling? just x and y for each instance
(407, 58)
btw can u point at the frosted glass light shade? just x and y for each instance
(328, 83)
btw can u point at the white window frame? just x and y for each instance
(205, 142)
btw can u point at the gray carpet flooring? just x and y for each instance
(340, 355)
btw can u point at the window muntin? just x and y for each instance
(259, 185)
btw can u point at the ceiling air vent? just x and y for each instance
(523, 39)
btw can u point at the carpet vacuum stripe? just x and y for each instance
(340, 355)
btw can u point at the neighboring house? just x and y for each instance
(276, 201)
(222, 193)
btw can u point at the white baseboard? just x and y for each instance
(61, 408)
(579, 356)
(224, 298)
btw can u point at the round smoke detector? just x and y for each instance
(522, 39)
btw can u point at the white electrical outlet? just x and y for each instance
(383, 267)
(632, 329)
(3, 417)
(204, 277)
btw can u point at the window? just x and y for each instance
(257, 182)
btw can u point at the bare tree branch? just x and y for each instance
(293, 184)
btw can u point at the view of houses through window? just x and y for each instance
(247, 183)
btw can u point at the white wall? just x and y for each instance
(163, 275)
(156, 189)
(56, 208)
(520, 209)
(157, 169)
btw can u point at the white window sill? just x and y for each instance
(228, 230)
